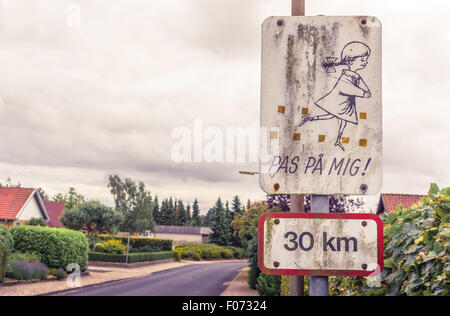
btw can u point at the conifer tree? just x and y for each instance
(196, 219)
(156, 212)
(188, 215)
(220, 226)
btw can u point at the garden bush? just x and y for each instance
(40, 271)
(132, 257)
(114, 247)
(56, 247)
(98, 247)
(144, 249)
(209, 251)
(417, 250)
(28, 257)
(141, 242)
(268, 285)
(177, 255)
(6, 244)
(238, 253)
(23, 270)
(58, 273)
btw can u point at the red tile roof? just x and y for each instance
(54, 211)
(12, 200)
(390, 201)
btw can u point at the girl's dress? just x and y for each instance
(341, 100)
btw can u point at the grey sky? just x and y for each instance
(77, 104)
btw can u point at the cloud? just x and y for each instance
(80, 103)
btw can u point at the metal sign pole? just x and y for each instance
(319, 285)
(297, 200)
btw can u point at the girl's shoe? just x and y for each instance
(339, 144)
(305, 119)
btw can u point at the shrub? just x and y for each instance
(20, 270)
(98, 247)
(56, 247)
(132, 258)
(37, 222)
(196, 256)
(114, 247)
(238, 253)
(6, 243)
(227, 253)
(144, 249)
(417, 251)
(208, 251)
(268, 285)
(58, 273)
(28, 257)
(141, 242)
(253, 258)
(23, 270)
(177, 255)
(40, 271)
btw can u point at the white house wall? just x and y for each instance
(30, 210)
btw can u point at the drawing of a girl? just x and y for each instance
(340, 102)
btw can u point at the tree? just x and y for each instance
(43, 195)
(237, 207)
(156, 212)
(180, 217)
(165, 216)
(70, 199)
(208, 218)
(10, 184)
(94, 216)
(244, 225)
(188, 215)
(196, 219)
(134, 202)
(220, 226)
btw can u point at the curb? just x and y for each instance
(83, 287)
(20, 282)
(233, 281)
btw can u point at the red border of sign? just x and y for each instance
(374, 217)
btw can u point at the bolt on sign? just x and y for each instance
(321, 104)
(320, 244)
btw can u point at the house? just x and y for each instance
(19, 205)
(55, 210)
(389, 201)
(183, 234)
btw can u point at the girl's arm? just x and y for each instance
(363, 85)
(347, 87)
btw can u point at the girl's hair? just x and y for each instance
(350, 52)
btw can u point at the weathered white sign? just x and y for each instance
(321, 105)
(320, 244)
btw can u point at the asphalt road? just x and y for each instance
(192, 280)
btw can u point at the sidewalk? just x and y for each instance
(239, 286)
(97, 275)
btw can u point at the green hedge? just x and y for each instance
(208, 251)
(56, 247)
(141, 242)
(132, 257)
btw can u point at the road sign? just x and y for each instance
(320, 244)
(321, 105)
